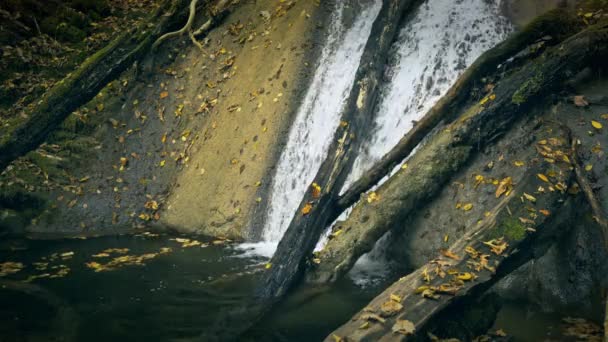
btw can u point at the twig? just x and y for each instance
(596, 207)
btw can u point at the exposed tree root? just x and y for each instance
(180, 31)
(219, 9)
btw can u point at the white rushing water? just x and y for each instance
(435, 47)
(318, 115)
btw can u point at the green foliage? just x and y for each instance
(511, 229)
(529, 87)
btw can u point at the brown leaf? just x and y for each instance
(580, 101)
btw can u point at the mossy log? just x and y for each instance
(492, 248)
(548, 29)
(450, 149)
(304, 230)
(85, 82)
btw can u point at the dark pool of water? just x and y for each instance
(176, 295)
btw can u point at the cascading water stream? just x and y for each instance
(434, 48)
(318, 117)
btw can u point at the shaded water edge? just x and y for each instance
(179, 292)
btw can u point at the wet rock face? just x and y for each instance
(568, 277)
(569, 273)
(521, 12)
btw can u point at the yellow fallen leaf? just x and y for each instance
(395, 298)
(404, 327)
(449, 254)
(316, 190)
(372, 197)
(268, 266)
(467, 207)
(588, 167)
(307, 209)
(596, 124)
(164, 94)
(466, 276)
(497, 246)
(390, 308)
(543, 177)
(545, 212)
(530, 197)
(518, 163)
(504, 187)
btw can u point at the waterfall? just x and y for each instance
(437, 43)
(319, 115)
(434, 48)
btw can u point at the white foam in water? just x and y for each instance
(257, 249)
(318, 116)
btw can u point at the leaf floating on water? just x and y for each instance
(404, 327)
(10, 267)
(596, 124)
(307, 209)
(100, 255)
(186, 242)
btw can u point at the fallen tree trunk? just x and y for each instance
(433, 165)
(308, 224)
(84, 83)
(557, 24)
(478, 259)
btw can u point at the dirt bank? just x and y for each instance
(185, 139)
(231, 164)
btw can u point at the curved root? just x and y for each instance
(180, 31)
